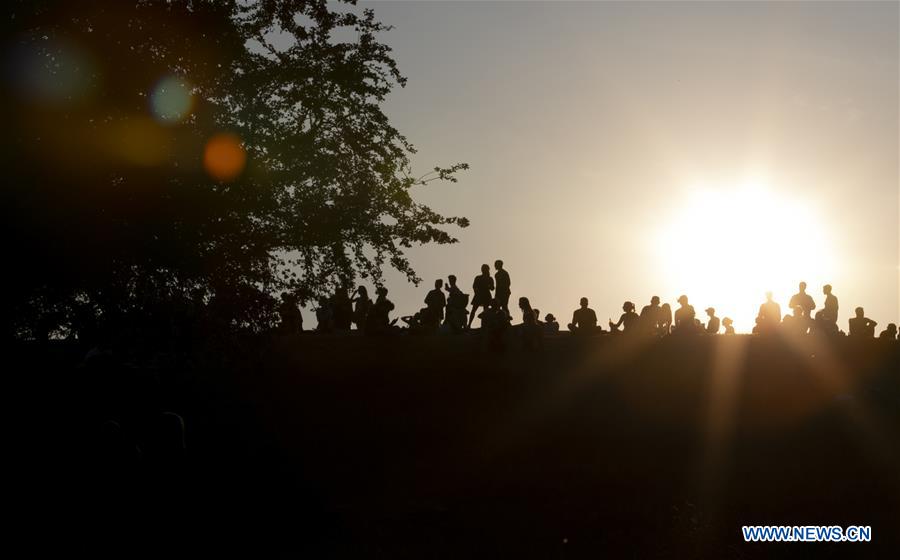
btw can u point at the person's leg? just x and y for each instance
(473, 314)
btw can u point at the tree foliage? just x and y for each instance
(108, 209)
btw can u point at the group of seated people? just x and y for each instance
(447, 311)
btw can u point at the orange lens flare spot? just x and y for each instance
(224, 158)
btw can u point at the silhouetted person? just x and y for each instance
(551, 326)
(494, 323)
(531, 334)
(584, 320)
(665, 319)
(684, 316)
(861, 326)
(379, 321)
(434, 303)
(802, 300)
(890, 333)
(629, 320)
(729, 325)
(826, 318)
(361, 307)
(324, 316)
(482, 287)
(456, 306)
(796, 322)
(289, 311)
(712, 326)
(343, 309)
(769, 316)
(650, 316)
(502, 283)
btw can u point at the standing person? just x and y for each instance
(684, 316)
(343, 309)
(434, 303)
(361, 306)
(502, 282)
(379, 321)
(456, 306)
(802, 300)
(289, 311)
(482, 287)
(712, 327)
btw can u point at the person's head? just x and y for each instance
(524, 304)
(381, 291)
(727, 321)
(802, 287)
(654, 300)
(710, 311)
(438, 283)
(485, 269)
(892, 328)
(826, 289)
(549, 318)
(537, 314)
(683, 300)
(362, 291)
(584, 302)
(627, 306)
(286, 297)
(498, 264)
(768, 296)
(860, 312)
(452, 280)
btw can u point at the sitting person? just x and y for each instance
(769, 316)
(861, 326)
(729, 325)
(628, 320)
(665, 319)
(584, 320)
(712, 326)
(550, 324)
(890, 332)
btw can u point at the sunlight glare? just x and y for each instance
(726, 247)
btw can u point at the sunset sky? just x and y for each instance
(622, 150)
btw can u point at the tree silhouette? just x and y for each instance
(162, 152)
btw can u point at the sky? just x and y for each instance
(624, 150)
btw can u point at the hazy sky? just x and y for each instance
(588, 125)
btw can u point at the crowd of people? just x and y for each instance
(447, 309)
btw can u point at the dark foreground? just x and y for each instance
(430, 447)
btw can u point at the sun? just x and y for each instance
(726, 247)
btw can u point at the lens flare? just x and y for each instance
(139, 141)
(171, 100)
(224, 157)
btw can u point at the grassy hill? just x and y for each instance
(347, 446)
